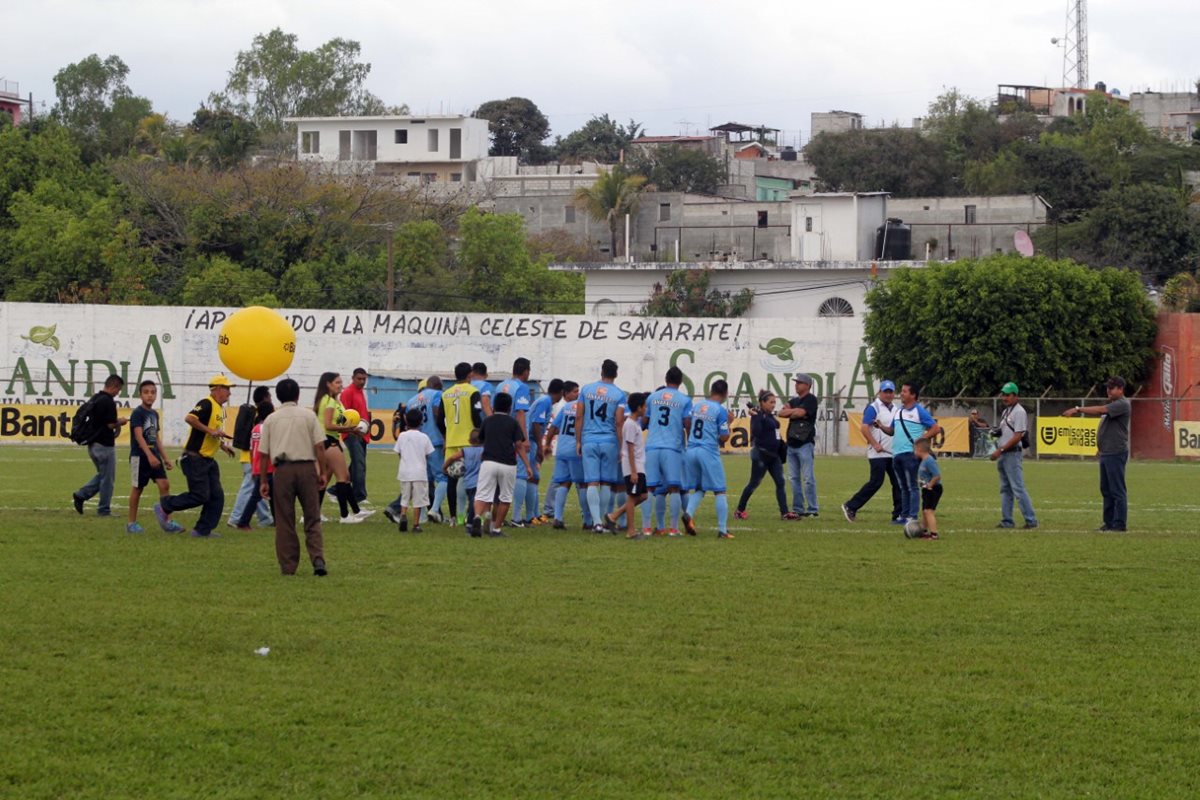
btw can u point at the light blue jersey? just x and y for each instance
(520, 397)
(908, 425)
(427, 400)
(667, 409)
(600, 402)
(539, 413)
(564, 423)
(485, 390)
(710, 421)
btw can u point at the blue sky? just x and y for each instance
(673, 66)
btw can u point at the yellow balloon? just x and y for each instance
(352, 417)
(256, 344)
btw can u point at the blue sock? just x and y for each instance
(693, 502)
(593, 501)
(585, 506)
(518, 502)
(560, 500)
(675, 501)
(660, 511)
(439, 495)
(531, 500)
(647, 507)
(551, 499)
(722, 501)
(606, 498)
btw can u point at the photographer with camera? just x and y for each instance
(767, 453)
(1011, 435)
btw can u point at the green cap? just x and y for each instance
(1009, 388)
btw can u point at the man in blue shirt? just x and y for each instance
(668, 411)
(709, 430)
(568, 465)
(536, 423)
(427, 401)
(479, 373)
(910, 424)
(517, 387)
(600, 413)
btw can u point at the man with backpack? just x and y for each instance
(1009, 456)
(96, 425)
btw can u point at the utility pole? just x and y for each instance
(391, 273)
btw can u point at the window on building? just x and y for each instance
(428, 177)
(808, 224)
(401, 136)
(664, 212)
(569, 215)
(310, 142)
(363, 146)
(456, 177)
(762, 219)
(413, 174)
(433, 140)
(343, 145)
(969, 214)
(836, 307)
(456, 142)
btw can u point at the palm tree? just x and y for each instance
(614, 194)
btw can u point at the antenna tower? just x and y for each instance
(1075, 46)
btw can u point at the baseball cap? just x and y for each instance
(802, 378)
(422, 384)
(887, 386)
(1009, 388)
(219, 380)
(1115, 382)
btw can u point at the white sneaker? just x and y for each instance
(434, 516)
(351, 520)
(363, 513)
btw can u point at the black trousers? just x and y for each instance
(761, 463)
(879, 468)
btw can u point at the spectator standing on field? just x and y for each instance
(248, 491)
(147, 461)
(292, 440)
(503, 441)
(767, 452)
(801, 415)
(354, 397)
(879, 454)
(1113, 444)
(1009, 456)
(414, 448)
(103, 449)
(910, 424)
(207, 421)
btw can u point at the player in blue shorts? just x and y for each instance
(600, 411)
(568, 465)
(668, 411)
(702, 461)
(536, 424)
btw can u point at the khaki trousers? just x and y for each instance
(297, 480)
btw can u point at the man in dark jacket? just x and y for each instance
(103, 449)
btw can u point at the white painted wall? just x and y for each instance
(416, 150)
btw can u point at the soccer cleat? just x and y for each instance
(542, 519)
(134, 527)
(689, 524)
(77, 501)
(674, 532)
(387, 512)
(599, 529)
(740, 514)
(558, 525)
(161, 516)
(724, 535)
(351, 519)
(173, 527)
(434, 516)
(848, 513)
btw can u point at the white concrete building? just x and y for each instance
(1175, 115)
(431, 149)
(836, 226)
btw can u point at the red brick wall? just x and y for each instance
(1175, 373)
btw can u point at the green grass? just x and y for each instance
(810, 659)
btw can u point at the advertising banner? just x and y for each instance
(1187, 439)
(954, 438)
(60, 354)
(1067, 436)
(43, 423)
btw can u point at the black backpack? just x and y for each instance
(85, 427)
(243, 426)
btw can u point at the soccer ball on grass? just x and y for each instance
(913, 529)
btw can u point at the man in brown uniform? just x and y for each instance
(290, 440)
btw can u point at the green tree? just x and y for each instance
(221, 138)
(600, 139)
(276, 79)
(1182, 293)
(678, 169)
(220, 281)
(421, 254)
(1144, 227)
(688, 294)
(96, 104)
(970, 325)
(518, 128)
(614, 194)
(897, 160)
(495, 273)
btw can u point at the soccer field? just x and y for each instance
(802, 659)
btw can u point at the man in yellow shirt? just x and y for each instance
(207, 421)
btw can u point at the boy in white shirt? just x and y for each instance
(633, 465)
(413, 447)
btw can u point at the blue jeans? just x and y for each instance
(104, 457)
(247, 491)
(804, 477)
(1112, 489)
(906, 466)
(1012, 485)
(356, 448)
